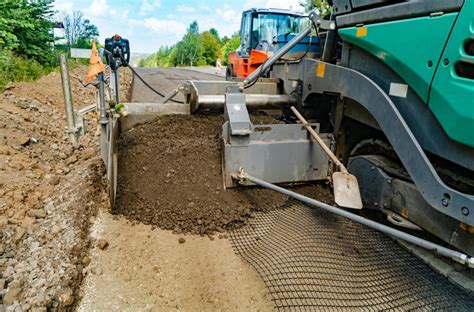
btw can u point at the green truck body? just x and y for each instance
(433, 55)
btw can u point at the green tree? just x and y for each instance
(215, 33)
(79, 32)
(323, 6)
(25, 28)
(231, 45)
(211, 47)
(189, 49)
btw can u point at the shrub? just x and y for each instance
(15, 68)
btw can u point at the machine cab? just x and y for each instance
(262, 32)
(262, 29)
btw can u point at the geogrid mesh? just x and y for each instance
(311, 259)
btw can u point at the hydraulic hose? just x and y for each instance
(150, 87)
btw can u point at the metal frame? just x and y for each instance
(415, 112)
(276, 152)
(381, 191)
(352, 84)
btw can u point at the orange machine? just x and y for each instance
(242, 66)
(262, 31)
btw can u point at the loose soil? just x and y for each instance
(170, 176)
(49, 193)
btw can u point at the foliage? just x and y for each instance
(15, 68)
(78, 31)
(323, 6)
(194, 49)
(211, 48)
(230, 45)
(25, 29)
(27, 48)
(190, 48)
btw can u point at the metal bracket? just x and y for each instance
(275, 152)
(235, 111)
(322, 23)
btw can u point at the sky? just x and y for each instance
(149, 24)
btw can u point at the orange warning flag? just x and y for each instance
(95, 64)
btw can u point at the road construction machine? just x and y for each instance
(262, 32)
(389, 100)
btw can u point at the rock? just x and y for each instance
(13, 292)
(3, 221)
(102, 244)
(37, 213)
(10, 86)
(53, 180)
(2, 250)
(18, 196)
(86, 260)
(70, 160)
(20, 232)
(28, 221)
(65, 297)
(89, 153)
(181, 240)
(22, 140)
(55, 229)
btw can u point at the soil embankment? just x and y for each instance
(49, 193)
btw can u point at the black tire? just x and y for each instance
(229, 72)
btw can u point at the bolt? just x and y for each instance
(465, 211)
(445, 202)
(389, 181)
(385, 205)
(430, 63)
(372, 168)
(445, 62)
(376, 204)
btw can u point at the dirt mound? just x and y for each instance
(170, 176)
(48, 191)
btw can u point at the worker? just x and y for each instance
(218, 66)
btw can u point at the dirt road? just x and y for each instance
(165, 80)
(144, 268)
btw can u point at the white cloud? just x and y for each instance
(149, 6)
(277, 4)
(185, 8)
(63, 6)
(228, 15)
(97, 8)
(285, 4)
(163, 26)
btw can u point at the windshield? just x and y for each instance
(267, 27)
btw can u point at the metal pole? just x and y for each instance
(329, 51)
(117, 85)
(275, 57)
(68, 105)
(102, 108)
(170, 95)
(454, 255)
